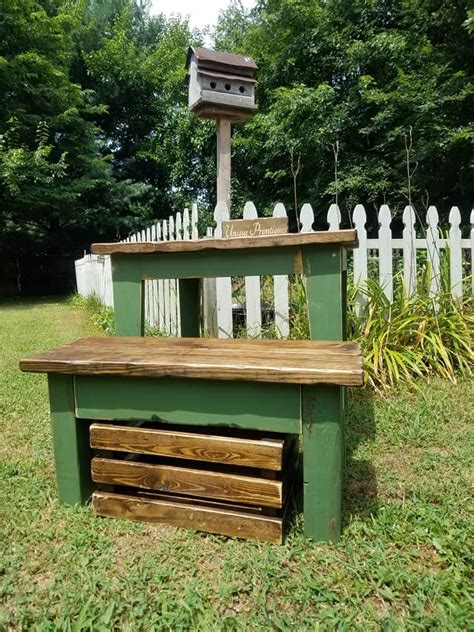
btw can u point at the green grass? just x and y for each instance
(403, 562)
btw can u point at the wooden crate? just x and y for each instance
(222, 482)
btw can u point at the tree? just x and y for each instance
(50, 167)
(95, 135)
(136, 66)
(358, 75)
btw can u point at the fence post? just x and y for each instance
(179, 227)
(173, 285)
(148, 291)
(409, 250)
(186, 223)
(253, 311)
(334, 217)
(385, 252)
(194, 222)
(280, 291)
(306, 218)
(161, 293)
(432, 247)
(223, 284)
(154, 286)
(166, 286)
(360, 254)
(455, 253)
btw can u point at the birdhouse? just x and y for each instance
(221, 85)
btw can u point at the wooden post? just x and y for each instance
(129, 300)
(223, 161)
(323, 406)
(218, 290)
(72, 453)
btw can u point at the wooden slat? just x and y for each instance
(293, 362)
(346, 238)
(193, 482)
(214, 344)
(266, 454)
(223, 521)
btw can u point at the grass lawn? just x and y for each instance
(402, 563)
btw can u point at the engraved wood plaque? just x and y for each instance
(261, 227)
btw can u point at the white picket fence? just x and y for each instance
(94, 278)
(93, 273)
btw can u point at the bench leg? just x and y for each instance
(323, 459)
(72, 454)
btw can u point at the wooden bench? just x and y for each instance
(198, 432)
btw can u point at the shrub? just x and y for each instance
(412, 336)
(101, 315)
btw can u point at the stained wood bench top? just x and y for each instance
(347, 238)
(290, 361)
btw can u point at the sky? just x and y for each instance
(201, 12)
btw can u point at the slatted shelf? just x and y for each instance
(211, 481)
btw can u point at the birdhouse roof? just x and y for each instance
(225, 75)
(224, 62)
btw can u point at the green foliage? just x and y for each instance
(101, 316)
(403, 340)
(413, 336)
(95, 135)
(22, 167)
(469, 23)
(299, 322)
(137, 69)
(359, 74)
(96, 138)
(50, 166)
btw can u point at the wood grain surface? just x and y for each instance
(347, 238)
(258, 453)
(212, 519)
(193, 482)
(289, 361)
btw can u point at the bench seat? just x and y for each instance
(288, 361)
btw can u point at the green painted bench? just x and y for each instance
(276, 387)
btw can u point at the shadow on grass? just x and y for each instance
(360, 481)
(360, 496)
(32, 302)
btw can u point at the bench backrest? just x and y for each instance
(319, 256)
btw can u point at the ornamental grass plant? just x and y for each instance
(409, 337)
(412, 336)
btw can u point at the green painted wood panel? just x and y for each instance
(344, 389)
(324, 289)
(206, 264)
(129, 299)
(322, 462)
(190, 307)
(323, 406)
(249, 405)
(72, 453)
